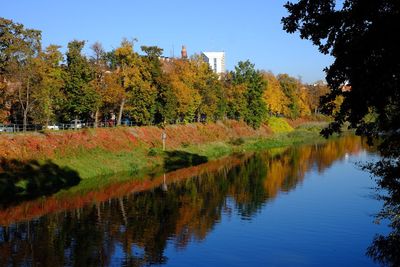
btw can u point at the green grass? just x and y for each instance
(219, 149)
(100, 163)
(98, 168)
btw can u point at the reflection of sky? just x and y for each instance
(325, 222)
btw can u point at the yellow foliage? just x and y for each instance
(277, 102)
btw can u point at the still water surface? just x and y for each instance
(301, 206)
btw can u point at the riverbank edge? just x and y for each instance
(100, 153)
(102, 165)
(147, 158)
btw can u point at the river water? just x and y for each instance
(308, 205)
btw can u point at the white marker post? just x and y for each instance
(163, 137)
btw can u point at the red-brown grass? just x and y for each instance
(50, 145)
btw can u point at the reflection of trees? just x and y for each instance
(386, 249)
(141, 224)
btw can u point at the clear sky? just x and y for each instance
(248, 29)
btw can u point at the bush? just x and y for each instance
(279, 125)
(237, 142)
(152, 152)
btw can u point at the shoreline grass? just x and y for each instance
(97, 162)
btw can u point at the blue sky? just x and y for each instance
(248, 29)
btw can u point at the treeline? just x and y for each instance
(43, 86)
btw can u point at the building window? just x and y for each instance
(215, 64)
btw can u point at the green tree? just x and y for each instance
(245, 74)
(158, 81)
(81, 97)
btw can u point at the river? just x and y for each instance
(308, 205)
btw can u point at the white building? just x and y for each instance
(216, 61)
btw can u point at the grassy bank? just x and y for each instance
(33, 165)
(98, 162)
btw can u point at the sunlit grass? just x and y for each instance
(101, 163)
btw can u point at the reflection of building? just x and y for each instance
(216, 60)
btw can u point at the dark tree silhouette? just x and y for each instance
(362, 37)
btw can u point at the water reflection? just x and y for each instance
(385, 249)
(131, 223)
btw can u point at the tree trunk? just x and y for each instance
(121, 108)
(25, 120)
(96, 118)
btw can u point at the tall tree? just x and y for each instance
(316, 91)
(245, 74)
(98, 63)
(181, 75)
(290, 87)
(235, 100)
(81, 97)
(124, 59)
(138, 84)
(49, 95)
(207, 83)
(19, 49)
(158, 81)
(276, 101)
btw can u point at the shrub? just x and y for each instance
(279, 125)
(237, 142)
(152, 152)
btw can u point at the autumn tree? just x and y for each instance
(49, 94)
(206, 82)
(124, 60)
(19, 51)
(136, 80)
(277, 102)
(98, 63)
(181, 75)
(290, 87)
(316, 91)
(235, 99)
